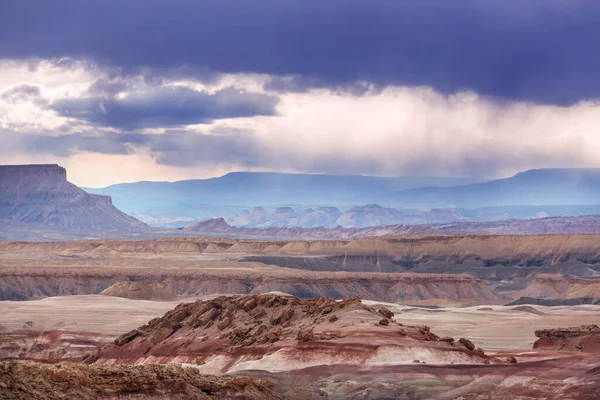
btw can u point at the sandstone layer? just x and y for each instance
(506, 263)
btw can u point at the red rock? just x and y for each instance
(386, 312)
(126, 337)
(467, 343)
(305, 335)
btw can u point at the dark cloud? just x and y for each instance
(23, 93)
(539, 50)
(162, 106)
(66, 145)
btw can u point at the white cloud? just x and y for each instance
(395, 131)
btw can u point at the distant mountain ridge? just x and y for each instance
(250, 189)
(41, 195)
(232, 194)
(556, 186)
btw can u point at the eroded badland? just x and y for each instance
(439, 317)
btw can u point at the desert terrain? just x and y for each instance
(438, 316)
(461, 310)
(467, 270)
(318, 348)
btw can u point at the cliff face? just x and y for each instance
(33, 171)
(41, 195)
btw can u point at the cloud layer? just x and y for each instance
(539, 50)
(187, 128)
(165, 106)
(134, 90)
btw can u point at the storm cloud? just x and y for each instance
(542, 51)
(164, 106)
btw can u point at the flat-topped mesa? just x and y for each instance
(33, 171)
(41, 195)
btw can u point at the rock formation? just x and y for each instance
(584, 338)
(41, 197)
(275, 332)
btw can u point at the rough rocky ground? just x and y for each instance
(28, 380)
(502, 331)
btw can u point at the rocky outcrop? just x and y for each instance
(276, 333)
(139, 290)
(584, 338)
(41, 196)
(28, 380)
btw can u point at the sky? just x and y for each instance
(130, 90)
